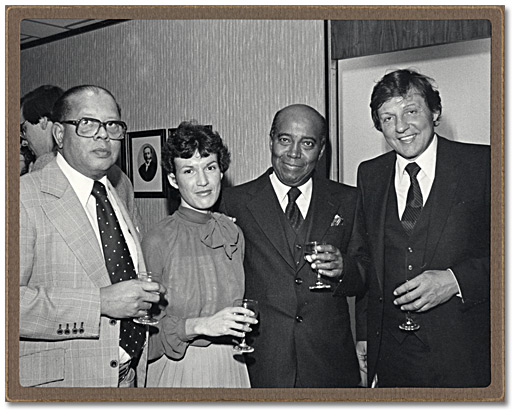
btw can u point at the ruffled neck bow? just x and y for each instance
(219, 230)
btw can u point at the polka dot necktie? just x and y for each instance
(119, 265)
(414, 199)
(292, 212)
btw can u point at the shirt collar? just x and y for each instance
(281, 189)
(426, 161)
(81, 184)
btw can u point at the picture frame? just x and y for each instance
(148, 179)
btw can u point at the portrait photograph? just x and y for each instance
(145, 162)
(256, 204)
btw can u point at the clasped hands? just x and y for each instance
(426, 291)
(328, 261)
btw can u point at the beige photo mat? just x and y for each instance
(496, 16)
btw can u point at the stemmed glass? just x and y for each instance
(148, 318)
(409, 324)
(252, 305)
(310, 248)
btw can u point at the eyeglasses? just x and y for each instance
(23, 130)
(88, 128)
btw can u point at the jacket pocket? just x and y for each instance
(42, 367)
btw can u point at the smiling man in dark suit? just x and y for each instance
(426, 206)
(303, 338)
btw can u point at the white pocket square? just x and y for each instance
(338, 220)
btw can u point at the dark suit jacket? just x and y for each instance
(302, 336)
(458, 238)
(150, 174)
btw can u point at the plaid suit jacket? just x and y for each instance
(62, 269)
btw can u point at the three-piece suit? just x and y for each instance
(303, 338)
(452, 346)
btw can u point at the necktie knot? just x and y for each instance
(99, 190)
(293, 194)
(412, 169)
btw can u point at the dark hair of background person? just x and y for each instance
(398, 84)
(189, 138)
(39, 102)
(63, 105)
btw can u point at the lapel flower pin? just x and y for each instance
(338, 220)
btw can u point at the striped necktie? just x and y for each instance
(414, 199)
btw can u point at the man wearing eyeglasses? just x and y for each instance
(77, 298)
(36, 123)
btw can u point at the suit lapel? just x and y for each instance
(264, 207)
(442, 195)
(70, 220)
(376, 194)
(324, 206)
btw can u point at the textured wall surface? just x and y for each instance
(232, 74)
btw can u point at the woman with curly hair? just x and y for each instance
(198, 255)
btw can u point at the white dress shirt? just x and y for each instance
(304, 199)
(425, 177)
(427, 162)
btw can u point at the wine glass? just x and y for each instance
(310, 248)
(148, 277)
(252, 305)
(409, 324)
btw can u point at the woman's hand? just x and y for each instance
(230, 321)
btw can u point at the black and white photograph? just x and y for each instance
(338, 225)
(145, 169)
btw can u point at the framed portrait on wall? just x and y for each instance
(144, 163)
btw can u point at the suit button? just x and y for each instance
(410, 250)
(113, 364)
(410, 267)
(113, 322)
(298, 281)
(298, 247)
(380, 299)
(377, 332)
(297, 263)
(299, 319)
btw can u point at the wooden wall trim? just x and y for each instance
(354, 38)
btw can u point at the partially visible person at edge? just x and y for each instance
(303, 339)
(426, 209)
(78, 292)
(198, 255)
(27, 157)
(36, 123)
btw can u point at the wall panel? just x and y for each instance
(232, 74)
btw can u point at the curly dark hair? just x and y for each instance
(189, 138)
(398, 84)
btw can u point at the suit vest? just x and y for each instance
(404, 260)
(296, 240)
